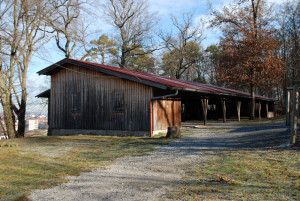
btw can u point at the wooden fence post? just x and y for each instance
(295, 114)
(287, 113)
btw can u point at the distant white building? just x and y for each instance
(42, 117)
(31, 124)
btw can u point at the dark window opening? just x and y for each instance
(117, 101)
(76, 102)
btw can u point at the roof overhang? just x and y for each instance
(202, 89)
(55, 67)
(44, 94)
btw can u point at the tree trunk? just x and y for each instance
(102, 57)
(123, 58)
(252, 111)
(21, 118)
(177, 76)
(8, 117)
(204, 103)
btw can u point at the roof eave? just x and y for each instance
(121, 75)
(48, 70)
(44, 94)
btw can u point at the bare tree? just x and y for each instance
(23, 33)
(183, 47)
(288, 33)
(66, 24)
(6, 74)
(211, 63)
(134, 22)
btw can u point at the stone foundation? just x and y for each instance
(60, 132)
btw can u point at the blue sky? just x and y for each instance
(164, 9)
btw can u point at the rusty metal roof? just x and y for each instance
(150, 79)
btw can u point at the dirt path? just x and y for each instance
(150, 177)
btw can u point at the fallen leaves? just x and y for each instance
(226, 180)
(274, 159)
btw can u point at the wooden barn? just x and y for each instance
(90, 98)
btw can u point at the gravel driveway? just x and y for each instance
(150, 177)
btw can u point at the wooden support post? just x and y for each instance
(238, 107)
(151, 118)
(287, 113)
(259, 110)
(49, 125)
(295, 114)
(224, 109)
(204, 102)
(267, 109)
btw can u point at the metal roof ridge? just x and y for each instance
(152, 79)
(140, 74)
(158, 78)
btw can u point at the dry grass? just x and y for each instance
(261, 122)
(244, 175)
(43, 162)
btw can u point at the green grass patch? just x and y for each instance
(244, 175)
(43, 162)
(8, 144)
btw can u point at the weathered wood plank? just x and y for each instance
(95, 91)
(166, 113)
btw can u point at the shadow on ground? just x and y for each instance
(230, 137)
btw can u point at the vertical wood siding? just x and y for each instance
(166, 113)
(95, 92)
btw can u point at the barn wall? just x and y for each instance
(86, 99)
(166, 113)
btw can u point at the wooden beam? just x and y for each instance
(151, 118)
(204, 102)
(287, 107)
(223, 100)
(259, 110)
(238, 107)
(267, 109)
(295, 114)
